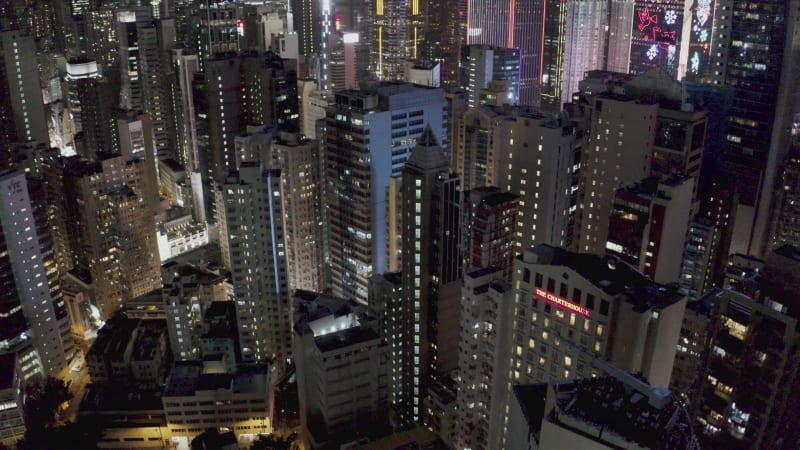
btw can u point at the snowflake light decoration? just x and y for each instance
(703, 35)
(670, 16)
(652, 52)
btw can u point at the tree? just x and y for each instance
(271, 442)
(82, 434)
(42, 402)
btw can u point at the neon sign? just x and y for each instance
(561, 303)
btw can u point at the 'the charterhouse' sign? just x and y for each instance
(561, 303)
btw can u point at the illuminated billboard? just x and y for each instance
(658, 29)
(700, 41)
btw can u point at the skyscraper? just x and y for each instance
(585, 44)
(754, 52)
(483, 64)
(369, 137)
(431, 275)
(31, 298)
(22, 77)
(252, 244)
(512, 25)
(111, 227)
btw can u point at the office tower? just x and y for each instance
(431, 234)
(584, 44)
(786, 226)
(530, 154)
(423, 72)
(307, 14)
(110, 225)
(25, 95)
(88, 95)
(392, 116)
(508, 25)
(389, 39)
(759, 121)
(342, 60)
(446, 33)
(620, 28)
(484, 355)
(252, 244)
(745, 394)
(618, 410)
(188, 292)
(342, 379)
(490, 223)
(484, 63)
(247, 89)
(155, 40)
(648, 224)
(301, 179)
(32, 300)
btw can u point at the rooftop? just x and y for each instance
(187, 378)
(608, 410)
(610, 274)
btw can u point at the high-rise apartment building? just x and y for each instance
(484, 356)
(110, 221)
(648, 224)
(301, 179)
(252, 244)
(22, 79)
(246, 89)
(746, 384)
(188, 292)
(32, 301)
(369, 137)
(619, 145)
(431, 272)
(342, 375)
(528, 153)
(489, 229)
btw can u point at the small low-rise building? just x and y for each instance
(195, 400)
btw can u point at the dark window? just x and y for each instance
(526, 276)
(551, 285)
(563, 292)
(576, 296)
(539, 281)
(604, 307)
(547, 308)
(590, 301)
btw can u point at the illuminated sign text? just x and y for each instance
(561, 303)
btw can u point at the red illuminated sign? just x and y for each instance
(561, 303)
